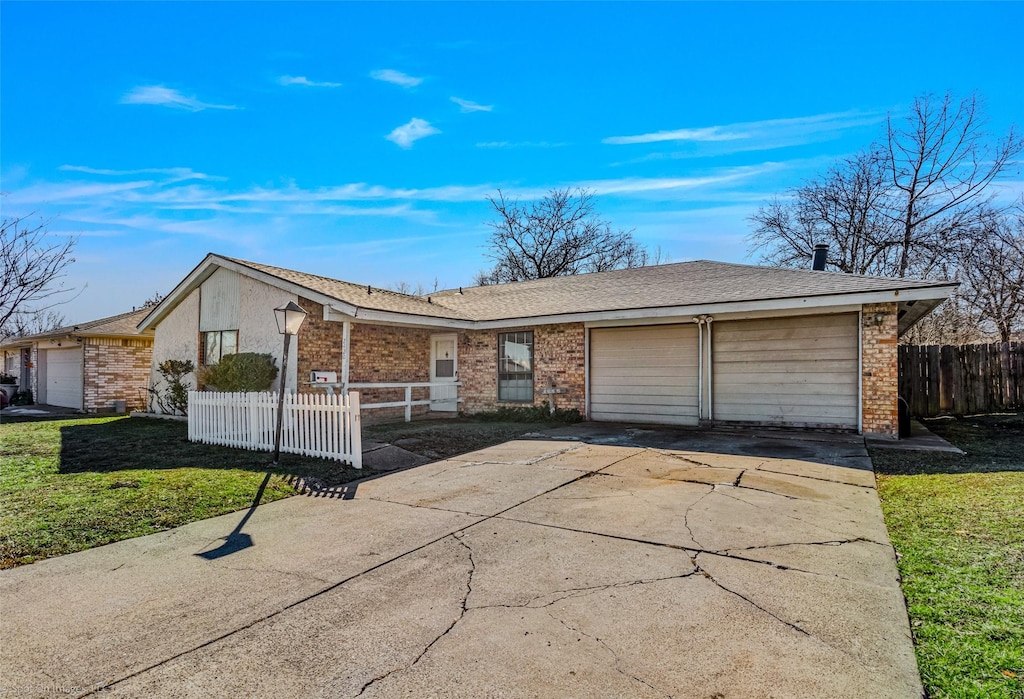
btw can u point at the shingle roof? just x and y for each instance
(679, 284)
(356, 294)
(122, 324)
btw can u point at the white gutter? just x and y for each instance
(711, 374)
(700, 367)
(860, 371)
(586, 373)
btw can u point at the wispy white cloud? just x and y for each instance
(759, 135)
(466, 106)
(168, 97)
(407, 134)
(396, 77)
(176, 174)
(288, 80)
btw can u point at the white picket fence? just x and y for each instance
(314, 424)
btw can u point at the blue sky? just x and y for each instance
(359, 141)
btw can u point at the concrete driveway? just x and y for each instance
(589, 562)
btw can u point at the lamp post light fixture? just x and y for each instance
(289, 319)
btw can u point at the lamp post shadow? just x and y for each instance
(237, 540)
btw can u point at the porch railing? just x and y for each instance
(441, 394)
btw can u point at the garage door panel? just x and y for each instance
(657, 416)
(670, 372)
(644, 374)
(641, 399)
(800, 371)
(726, 390)
(64, 377)
(825, 334)
(641, 390)
(781, 356)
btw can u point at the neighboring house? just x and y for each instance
(90, 366)
(686, 344)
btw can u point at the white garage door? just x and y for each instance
(644, 374)
(64, 377)
(799, 372)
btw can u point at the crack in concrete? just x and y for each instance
(783, 567)
(783, 514)
(686, 517)
(828, 542)
(749, 601)
(464, 609)
(574, 592)
(334, 586)
(618, 661)
(816, 478)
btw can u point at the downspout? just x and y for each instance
(700, 367)
(860, 371)
(586, 373)
(711, 374)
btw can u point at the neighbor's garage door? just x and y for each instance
(799, 371)
(64, 377)
(644, 374)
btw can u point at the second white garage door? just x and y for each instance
(644, 374)
(799, 371)
(64, 377)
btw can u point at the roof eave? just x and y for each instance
(936, 293)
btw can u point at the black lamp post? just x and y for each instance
(289, 320)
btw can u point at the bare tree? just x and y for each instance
(557, 235)
(993, 272)
(153, 300)
(907, 206)
(844, 208)
(940, 164)
(25, 323)
(33, 266)
(404, 287)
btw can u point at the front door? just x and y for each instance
(444, 369)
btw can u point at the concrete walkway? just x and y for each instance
(538, 568)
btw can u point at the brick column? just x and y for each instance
(880, 369)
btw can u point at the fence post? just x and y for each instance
(355, 425)
(408, 403)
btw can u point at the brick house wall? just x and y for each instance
(559, 354)
(378, 354)
(116, 369)
(880, 369)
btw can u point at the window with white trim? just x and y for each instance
(515, 367)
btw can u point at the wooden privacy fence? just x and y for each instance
(314, 424)
(962, 380)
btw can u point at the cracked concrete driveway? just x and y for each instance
(589, 562)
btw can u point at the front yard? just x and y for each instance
(70, 485)
(957, 523)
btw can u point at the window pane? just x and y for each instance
(515, 366)
(444, 368)
(229, 342)
(211, 354)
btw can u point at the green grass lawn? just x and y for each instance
(68, 485)
(957, 523)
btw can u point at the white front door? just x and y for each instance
(444, 369)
